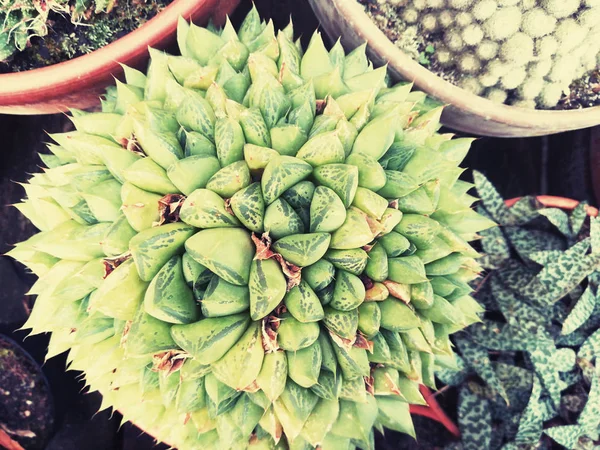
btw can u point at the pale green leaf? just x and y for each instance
(532, 419)
(543, 361)
(525, 210)
(580, 313)
(567, 435)
(559, 219)
(492, 200)
(589, 419)
(475, 420)
(595, 234)
(526, 241)
(476, 356)
(577, 218)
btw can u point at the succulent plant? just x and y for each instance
(255, 247)
(23, 19)
(528, 375)
(474, 38)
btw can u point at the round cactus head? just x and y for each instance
(255, 247)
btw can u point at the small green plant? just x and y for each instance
(22, 19)
(528, 375)
(424, 56)
(94, 23)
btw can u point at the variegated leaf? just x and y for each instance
(577, 218)
(567, 435)
(492, 200)
(525, 210)
(543, 361)
(516, 311)
(501, 337)
(568, 270)
(476, 356)
(530, 426)
(474, 419)
(580, 313)
(595, 234)
(589, 419)
(453, 377)
(526, 241)
(559, 219)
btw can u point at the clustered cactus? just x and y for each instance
(529, 375)
(522, 52)
(255, 247)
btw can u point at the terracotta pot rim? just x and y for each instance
(553, 201)
(449, 93)
(86, 70)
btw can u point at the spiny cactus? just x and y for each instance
(522, 36)
(529, 375)
(252, 247)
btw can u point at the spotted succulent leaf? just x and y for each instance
(474, 418)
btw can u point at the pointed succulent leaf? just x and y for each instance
(474, 418)
(227, 252)
(208, 340)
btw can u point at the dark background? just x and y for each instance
(560, 165)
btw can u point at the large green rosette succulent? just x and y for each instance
(255, 247)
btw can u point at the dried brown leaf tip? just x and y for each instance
(132, 145)
(369, 385)
(126, 329)
(398, 290)
(228, 206)
(363, 343)
(263, 246)
(263, 251)
(341, 342)
(269, 328)
(169, 361)
(111, 264)
(168, 208)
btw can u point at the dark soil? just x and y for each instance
(67, 40)
(26, 410)
(585, 92)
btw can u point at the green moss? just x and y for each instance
(70, 28)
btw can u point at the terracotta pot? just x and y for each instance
(79, 82)
(465, 111)
(552, 201)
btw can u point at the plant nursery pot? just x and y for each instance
(466, 112)
(78, 83)
(27, 412)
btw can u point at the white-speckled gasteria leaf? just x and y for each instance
(542, 323)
